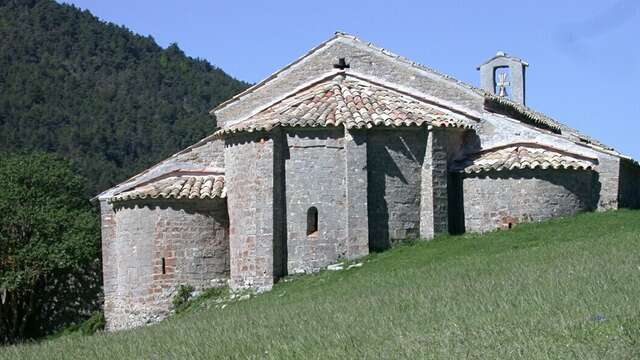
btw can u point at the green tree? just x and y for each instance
(111, 101)
(49, 247)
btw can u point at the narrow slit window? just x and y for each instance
(164, 268)
(312, 220)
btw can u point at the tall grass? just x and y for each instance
(564, 289)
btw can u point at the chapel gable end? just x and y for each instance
(348, 54)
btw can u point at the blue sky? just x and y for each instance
(584, 55)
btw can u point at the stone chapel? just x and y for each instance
(346, 150)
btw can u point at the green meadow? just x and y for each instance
(563, 289)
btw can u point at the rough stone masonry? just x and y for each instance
(348, 149)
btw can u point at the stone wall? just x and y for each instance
(629, 184)
(434, 192)
(315, 177)
(394, 159)
(249, 179)
(495, 200)
(207, 154)
(608, 181)
(109, 260)
(357, 193)
(154, 247)
(131, 301)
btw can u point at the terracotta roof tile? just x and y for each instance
(350, 102)
(178, 187)
(522, 156)
(492, 102)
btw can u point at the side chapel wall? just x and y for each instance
(153, 247)
(501, 199)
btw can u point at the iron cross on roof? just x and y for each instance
(502, 84)
(342, 64)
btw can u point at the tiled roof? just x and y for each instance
(525, 113)
(523, 156)
(351, 102)
(492, 102)
(178, 187)
(495, 103)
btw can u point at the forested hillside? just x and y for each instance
(111, 101)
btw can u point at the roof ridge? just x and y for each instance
(516, 156)
(341, 34)
(410, 62)
(346, 99)
(274, 74)
(332, 76)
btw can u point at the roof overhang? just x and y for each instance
(177, 185)
(523, 155)
(354, 101)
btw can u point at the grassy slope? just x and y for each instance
(568, 288)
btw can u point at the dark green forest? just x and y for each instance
(110, 101)
(84, 104)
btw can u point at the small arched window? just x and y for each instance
(312, 220)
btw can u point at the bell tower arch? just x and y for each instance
(504, 76)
